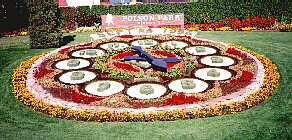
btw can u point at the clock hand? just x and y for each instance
(168, 59)
(157, 63)
(143, 54)
(128, 58)
(146, 55)
(171, 59)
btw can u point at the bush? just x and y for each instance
(195, 12)
(45, 24)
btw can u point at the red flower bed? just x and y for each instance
(174, 100)
(79, 98)
(170, 64)
(62, 93)
(62, 51)
(137, 104)
(217, 24)
(126, 36)
(245, 77)
(235, 23)
(236, 52)
(163, 53)
(181, 99)
(42, 71)
(238, 83)
(246, 59)
(184, 37)
(125, 66)
(262, 22)
(123, 54)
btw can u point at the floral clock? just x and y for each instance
(146, 78)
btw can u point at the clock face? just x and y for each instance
(145, 71)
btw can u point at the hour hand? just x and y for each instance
(171, 59)
(168, 59)
(128, 58)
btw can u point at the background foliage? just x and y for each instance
(15, 15)
(194, 12)
(45, 24)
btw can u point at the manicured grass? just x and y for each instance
(270, 120)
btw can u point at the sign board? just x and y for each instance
(76, 3)
(142, 20)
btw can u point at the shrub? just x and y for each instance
(45, 24)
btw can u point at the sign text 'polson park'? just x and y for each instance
(142, 20)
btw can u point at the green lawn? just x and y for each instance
(270, 120)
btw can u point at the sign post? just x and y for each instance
(142, 20)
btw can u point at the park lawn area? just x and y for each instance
(272, 119)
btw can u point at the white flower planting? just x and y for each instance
(145, 43)
(174, 44)
(66, 77)
(193, 51)
(227, 61)
(114, 88)
(63, 64)
(82, 53)
(114, 45)
(202, 73)
(177, 86)
(134, 91)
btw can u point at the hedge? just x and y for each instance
(45, 24)
(194, 12)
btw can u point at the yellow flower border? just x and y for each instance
(271, 81)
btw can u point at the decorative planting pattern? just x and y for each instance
(112, 89)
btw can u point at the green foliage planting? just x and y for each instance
(45, 24)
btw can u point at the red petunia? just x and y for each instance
(125, 66)
(123, 54)
(126, 36)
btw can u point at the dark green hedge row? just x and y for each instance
(45, 24)
(195, 12)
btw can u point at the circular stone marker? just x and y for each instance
(82, 53)
(66, 77)
(63, 64)
(114, 88)
(134, 91)
(144, 43)
(174, 44)
(193, 51)
(227, 61)
(177, 86)
(202, 73)
(114, 45)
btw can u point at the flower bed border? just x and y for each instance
(205, 109)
